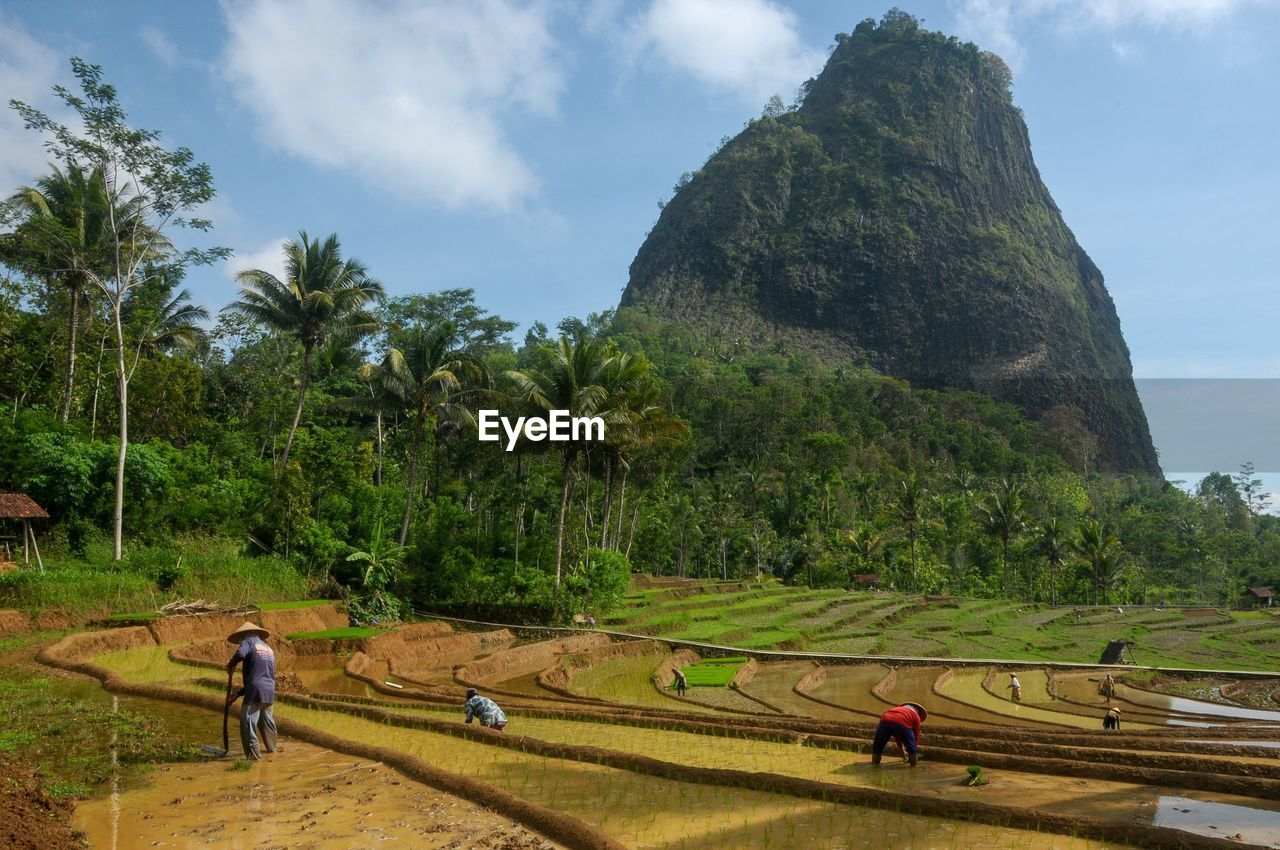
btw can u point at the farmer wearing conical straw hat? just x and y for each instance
(1112, 720)
(902, 724)
(259, 688)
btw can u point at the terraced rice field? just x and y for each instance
(596, 739)
(771, 616)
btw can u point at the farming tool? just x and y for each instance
(226, 716)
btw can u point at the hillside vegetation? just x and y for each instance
(772, 616)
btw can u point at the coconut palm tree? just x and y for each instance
(583, 378)
(67, 228)
(172, 324)
(1100, 549)
(321, 295)
(909, 508)
(429, 373)
(1004, 517)
(1054, 543)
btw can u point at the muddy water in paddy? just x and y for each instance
(1219, 820)
(915, 684)
(774, 683)
(850, 687)
(1228, 713)
(649, 812)
(630, 681)
(1082, 688)
(303, 796)
(646, 811)
(966, 686)
(324, 674)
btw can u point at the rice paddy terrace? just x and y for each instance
(762, 751)
(773, 616)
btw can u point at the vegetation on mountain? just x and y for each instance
(895, 218)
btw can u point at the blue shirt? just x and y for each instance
(486, 710)
(259, 670)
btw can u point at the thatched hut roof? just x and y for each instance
(20, 506)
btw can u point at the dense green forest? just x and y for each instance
(319, 422)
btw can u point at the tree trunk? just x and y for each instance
(378, 473)
(414, 451)
(122, 384)
(565, 480)
(608, 503)
(631, 535)
(622, 506)
(914, 580)
(297, 411)
(72, 329)
(519, 517)
(97, 384)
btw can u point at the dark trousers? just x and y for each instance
(887, 729)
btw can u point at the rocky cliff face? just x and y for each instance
(897, 218)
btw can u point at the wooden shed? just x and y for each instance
(21, 507)
(1257, 597)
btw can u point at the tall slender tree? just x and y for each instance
(1100, 548)
(158, 189)
(1054, 543)
(322, 295)
(1004, 517)
(909, 509)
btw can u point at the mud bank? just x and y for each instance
(527, 659)
(189, 627)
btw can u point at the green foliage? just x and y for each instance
(343, 632)
(74, 737)
(713, 672)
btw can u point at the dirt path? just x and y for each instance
(302, 797)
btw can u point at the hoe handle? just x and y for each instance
(226, 713)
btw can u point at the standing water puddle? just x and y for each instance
(1194, 706)
(1219, 820)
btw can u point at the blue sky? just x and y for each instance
(520, 147)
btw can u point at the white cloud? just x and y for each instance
(268, 257)
(28, 71)
(161, 47)
(996, 25)
(409, 95)
(751, 48)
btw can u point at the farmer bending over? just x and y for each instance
(259, 688)
(484, 709)
(902, 724)
(680, 682)
(1112, 721)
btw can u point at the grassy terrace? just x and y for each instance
(838, 621)
(342, 632)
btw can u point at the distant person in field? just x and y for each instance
(681, 682)
(259, 688)
(1112, 721)
(485, 710)
(1016, 687)
(1108, 687)
(901, 724)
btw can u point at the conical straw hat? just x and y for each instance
(246, 630)
(924, 715)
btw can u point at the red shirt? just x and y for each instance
(906, 715)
